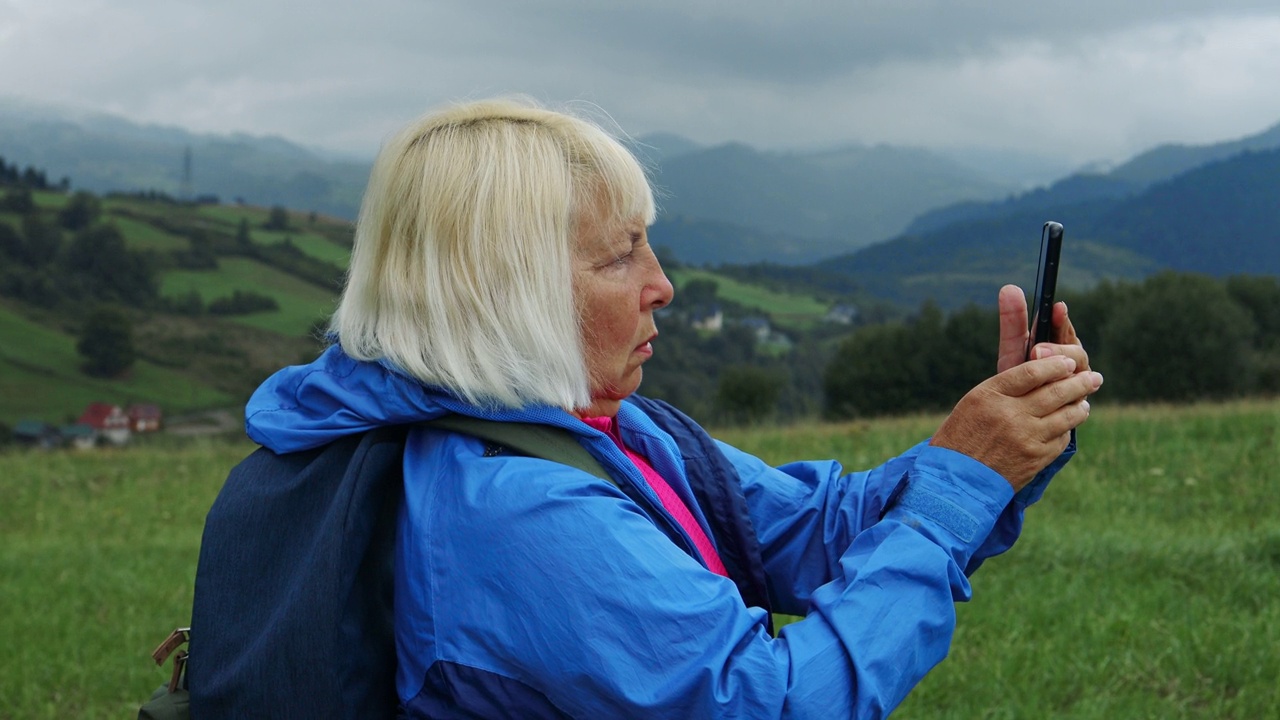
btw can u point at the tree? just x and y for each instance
(278, 219)
(747, 394)
(244, 240)
(106, 344)
(11, 245)
(105, 269)
(698, 292)
(1177, 337)
(876, 371)
(43, 241)
(81, 211)
(18, 200)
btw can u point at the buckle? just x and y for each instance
(176, 639)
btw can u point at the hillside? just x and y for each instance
(189, 358)
(199, 257)
(1220, 219)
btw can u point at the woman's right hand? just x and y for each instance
(1020, 420)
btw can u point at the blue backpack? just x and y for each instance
(293, 595)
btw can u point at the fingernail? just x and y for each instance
(1097, 380)
(1085, 404)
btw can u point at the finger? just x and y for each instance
(1064, 332)
(1053, 396)
(1013, 327)
(1075, 352)
(1065, 419)
(1031, 375)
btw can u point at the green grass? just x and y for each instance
(50, 200)
(46, 359)
(797, 311)
(1145, 584)
(98, 556)
(231, 215)
(301, 303)
(145, 236)
(317, 246)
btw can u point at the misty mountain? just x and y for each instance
(1222, 218)
(729, 203)
(1165, 161)
(1158, 164)
(103, 153)
(848, 198)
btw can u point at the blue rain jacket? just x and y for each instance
(525, 588)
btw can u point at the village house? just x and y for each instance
(144, 417)
(709, 319)
(79, 436)
(108, 421)
(36, 434)
(841, 314)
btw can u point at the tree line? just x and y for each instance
(1173, 337)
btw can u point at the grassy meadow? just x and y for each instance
(1146, 585)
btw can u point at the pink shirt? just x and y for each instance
(670, 500)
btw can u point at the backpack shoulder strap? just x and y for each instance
(540, 441)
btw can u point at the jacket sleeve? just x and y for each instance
(807, 514)
(616, 621)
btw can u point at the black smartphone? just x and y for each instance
(1046, 284)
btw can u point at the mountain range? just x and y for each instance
(1211, 209)
(894, 223)
(728, 202)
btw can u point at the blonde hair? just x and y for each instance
(461, 273)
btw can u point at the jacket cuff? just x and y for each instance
(952, 498)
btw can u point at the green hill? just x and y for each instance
(191, 358)
(40, 377)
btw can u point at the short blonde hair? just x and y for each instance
(461, 273)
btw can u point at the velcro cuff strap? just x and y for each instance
(957, 520)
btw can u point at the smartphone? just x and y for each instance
(1041, 313)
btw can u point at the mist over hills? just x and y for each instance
(848, 197)
(727, 203)
(103, 153)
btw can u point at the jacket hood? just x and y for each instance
(306, 406)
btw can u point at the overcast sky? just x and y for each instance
(1090, 80)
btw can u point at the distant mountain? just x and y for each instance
(695, 241)
(104, 153)
(657, 147)
(1221, 218)
(1166, 161)
(839, 198)
(729, 203)
(1158, 164)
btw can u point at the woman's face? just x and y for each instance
(618, 283)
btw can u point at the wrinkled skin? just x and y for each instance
(1020, 419)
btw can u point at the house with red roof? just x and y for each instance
(107, 420)
(144, 417)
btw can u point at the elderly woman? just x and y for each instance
(501, 270)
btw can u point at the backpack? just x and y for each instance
(292, 615)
